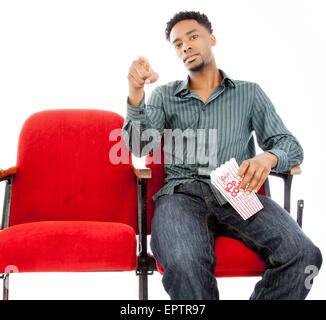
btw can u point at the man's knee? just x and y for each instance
(311, 255)
(296, 248)
(308, 255)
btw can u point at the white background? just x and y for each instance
(76, 54)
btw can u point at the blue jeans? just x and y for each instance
(184, 228)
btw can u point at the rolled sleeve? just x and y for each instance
(282, 160)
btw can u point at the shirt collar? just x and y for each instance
(183, 85)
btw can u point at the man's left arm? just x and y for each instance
(282, 151)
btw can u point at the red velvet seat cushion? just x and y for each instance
(68, 246)
(233, 259)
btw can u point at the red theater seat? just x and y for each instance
(66, 208)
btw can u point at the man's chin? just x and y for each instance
(196, 68)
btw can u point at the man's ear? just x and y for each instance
(213, 40)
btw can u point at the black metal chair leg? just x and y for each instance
(143, 286)
(300, 206)
(5, 278)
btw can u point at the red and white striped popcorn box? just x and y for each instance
(225, 178)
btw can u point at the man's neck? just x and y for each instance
(207, 79)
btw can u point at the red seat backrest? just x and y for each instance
(64, 171)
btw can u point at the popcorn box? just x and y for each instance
(225, 178)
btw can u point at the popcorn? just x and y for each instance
(225, 178)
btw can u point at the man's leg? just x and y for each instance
(278, 239)
(183, 243)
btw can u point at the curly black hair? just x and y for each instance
(201, 18)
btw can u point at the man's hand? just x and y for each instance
(140, 73)
(254, 171)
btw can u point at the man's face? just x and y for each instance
(193, 44)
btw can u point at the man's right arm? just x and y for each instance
(139, 116)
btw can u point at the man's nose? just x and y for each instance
(186, 47)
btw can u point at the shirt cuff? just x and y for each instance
(282, 160)
(136, 113)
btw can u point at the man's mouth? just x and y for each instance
(190, 58)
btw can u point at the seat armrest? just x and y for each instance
(4, 174)
(143, 173)
(7, 176)
(295, 171)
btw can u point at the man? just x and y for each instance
(189, 210)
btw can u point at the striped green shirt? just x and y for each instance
(211, 133)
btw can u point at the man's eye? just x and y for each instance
(178, 45)
(194, 36)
